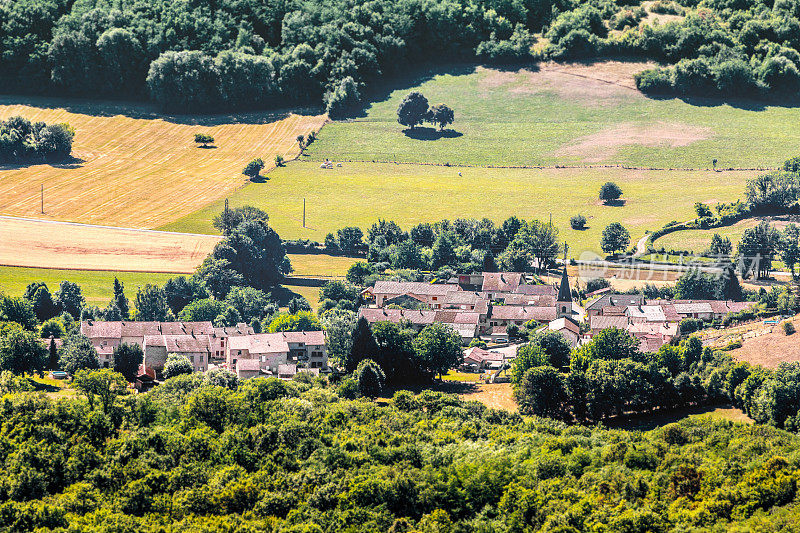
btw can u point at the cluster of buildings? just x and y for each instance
(237, 348)
(654, 322)
(484, 306)
(475, 305)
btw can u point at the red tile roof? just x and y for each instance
(396, 315)
(501, 281)
(412, 287)
(514, 312)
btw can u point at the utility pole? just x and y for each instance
(43, 198)
(304, 212)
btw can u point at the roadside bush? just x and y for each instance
(788, 327)
(779, 74)
(693, 76)
(654, 81)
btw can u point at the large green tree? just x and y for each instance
(438, 349)
(151, 304)
(756, 250)
(363, 345)
(70, 296)
(127, 358)
(542, 392)
(615, 238)
(22, 351)
(77, 353)
(412, 109)
(101, 387)
(252, 253)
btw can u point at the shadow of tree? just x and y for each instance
(143, 110)
(615, 203)
(430, 134)
(67, 163)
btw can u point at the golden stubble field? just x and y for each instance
(136, 169)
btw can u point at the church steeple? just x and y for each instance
(564, 294)
(564, 300)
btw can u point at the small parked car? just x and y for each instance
(59, 374)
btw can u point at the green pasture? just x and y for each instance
(97, 286)
(699, 240)
(520, 118)
(360, 193)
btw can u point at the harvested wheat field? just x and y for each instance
(137, 169)
(38, 243)
(770, 349)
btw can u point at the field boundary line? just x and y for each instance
(98, 226)
(312, 159)
(89, 269)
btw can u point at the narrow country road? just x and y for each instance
(641, 246)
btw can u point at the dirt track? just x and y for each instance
(36, 243)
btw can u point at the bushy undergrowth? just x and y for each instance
(272, 456)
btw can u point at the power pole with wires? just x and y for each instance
(43, 198)
(304, 212)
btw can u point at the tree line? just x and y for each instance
(610, 377)
(244, 53)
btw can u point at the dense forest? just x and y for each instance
(268, 455)
(205, 56)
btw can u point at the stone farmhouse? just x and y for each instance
(275, 349)
(204, 345)
(473, 304)
(655, 322)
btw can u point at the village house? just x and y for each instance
(611, 300)
(497, 283)
(466, 323)
(477, 359)
(567, 327)
(268, 349)
(275, 349)
(248, 368)
(505, 315)
(433, 295)
(466, 303)
(105, 336)
(197, 348)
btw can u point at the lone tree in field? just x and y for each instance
(204, 139)
(577, 222)
(441, 115)
(254, 168)
(301, 141)
(615, 238)
(412, 110)
(610, 191)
